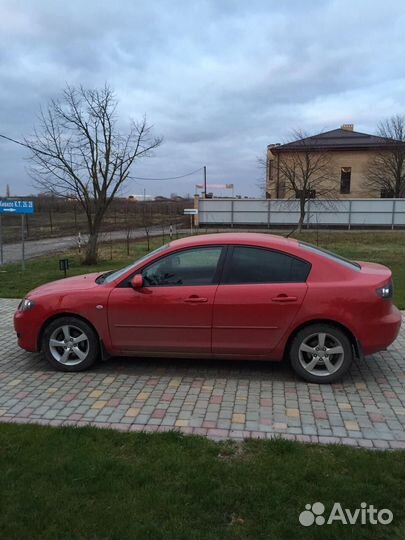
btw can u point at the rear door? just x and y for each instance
(259, 295)
(173, 311)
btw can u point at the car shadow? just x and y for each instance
(190, 367)
(361, 371)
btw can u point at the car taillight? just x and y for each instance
(386, 291)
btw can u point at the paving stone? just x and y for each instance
(214, 399)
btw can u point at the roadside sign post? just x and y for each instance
(191, 212)
(21, 207)
(1, 242)
(64, 265)
(22, 242)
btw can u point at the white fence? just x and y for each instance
(345, 213)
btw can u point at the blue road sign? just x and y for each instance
(16, 207)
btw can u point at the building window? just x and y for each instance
(345, 179)
(387, 194)
(309, 194)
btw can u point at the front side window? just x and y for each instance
(258, 265)
(109, 277)
(187, 267)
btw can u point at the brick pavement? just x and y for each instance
(211, 398)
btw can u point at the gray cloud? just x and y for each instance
(219, 80)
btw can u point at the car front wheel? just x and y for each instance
(70, 344)
(321, 353)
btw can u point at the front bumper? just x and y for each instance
(27, 327)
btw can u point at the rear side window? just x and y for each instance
(257, 265)
(331, 256)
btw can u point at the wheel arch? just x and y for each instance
(60, 316)
(352, 338)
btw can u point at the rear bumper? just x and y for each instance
(382, 332)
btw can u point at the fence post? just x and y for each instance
(232, 217)
(350, 215)
(308, 212)
(393, 213)
(268, 213)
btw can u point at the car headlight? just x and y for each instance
(26, 304)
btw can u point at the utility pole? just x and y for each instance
(205, 182)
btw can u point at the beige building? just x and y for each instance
(348, 154)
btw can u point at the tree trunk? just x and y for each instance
(91, 249)
(302, 215)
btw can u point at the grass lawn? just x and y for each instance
(385, 247)
(88, 483)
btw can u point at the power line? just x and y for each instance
(133, 177)
(170, 177)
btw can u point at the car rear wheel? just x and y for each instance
(70, 344)
(321, 353)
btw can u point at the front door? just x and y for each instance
(258, 298)
(173, 311)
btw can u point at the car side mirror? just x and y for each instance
(137, 281)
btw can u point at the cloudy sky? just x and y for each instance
(218, 79)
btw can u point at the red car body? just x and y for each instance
(220, 320)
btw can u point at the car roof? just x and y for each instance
(259, 239)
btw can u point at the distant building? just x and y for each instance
(141, 198)
(350, 155)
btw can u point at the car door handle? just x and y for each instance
(196, 300)
(284, 298)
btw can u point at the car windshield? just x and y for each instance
(108, 277)
(332, 256)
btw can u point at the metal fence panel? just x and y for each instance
(277, 212)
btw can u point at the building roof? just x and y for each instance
(337, 139)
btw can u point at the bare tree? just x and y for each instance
(386, 170)
(305, 173)
(79, 151)
(261, 182)
(129, 224)
(147, 221)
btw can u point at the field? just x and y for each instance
(77, 483)
(384, 247)
(56, 217)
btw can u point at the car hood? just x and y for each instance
(76, 283)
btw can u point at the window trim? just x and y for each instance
(126, 283)
(229, 254)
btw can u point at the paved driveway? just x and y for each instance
(217, 399)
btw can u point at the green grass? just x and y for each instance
(387, 247)
(87, 483)
(15, 283)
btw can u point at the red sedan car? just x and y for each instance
(246, 296)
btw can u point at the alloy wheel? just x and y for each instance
(321, 354)
(69, 345)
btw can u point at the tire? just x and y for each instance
(70, 344)
(310, 354)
